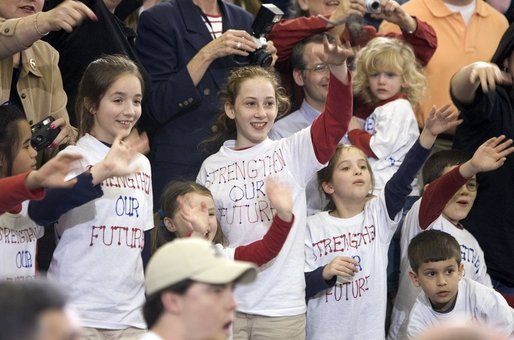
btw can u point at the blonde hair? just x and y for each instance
(225, 128)
(391, 55)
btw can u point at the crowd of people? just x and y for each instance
(346, 173)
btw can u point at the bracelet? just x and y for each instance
(36, 26)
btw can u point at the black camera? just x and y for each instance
(42, 135)
(267, 16)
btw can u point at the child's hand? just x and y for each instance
(118, 161)
(489, 156)
(53, 173)
(335, 53)
(340, 266)
(488, 74)
(438, 121)
(280, 198)
(194, 217)
(441, 119)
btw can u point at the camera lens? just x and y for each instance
(39, 138)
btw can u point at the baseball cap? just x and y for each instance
(195, 259)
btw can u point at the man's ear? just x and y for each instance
(171, 302)
(304, 5)
(298, 77)
(327, 187)
(170, 226)
(414, 278)
(229, 110)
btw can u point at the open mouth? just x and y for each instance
(258, 126)
(28, 9)
(332, 3)
(125, 123)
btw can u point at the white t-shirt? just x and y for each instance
(472, 259)
(394, 129)
(356, 309)
(18, 243)
(285, 127)
(98, 254)
(237, 182)
(475, 303)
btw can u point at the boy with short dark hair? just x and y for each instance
(450, 190)
(435, 259)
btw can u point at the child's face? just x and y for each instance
(351, 179)
(198, 223)
(383, 85)
(208, 310)
(440, 282)
(119, 109)
(254, 111)
(25, 159)
(460, 204)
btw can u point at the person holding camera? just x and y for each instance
(30, 77)
(188, 48)
(345, 19)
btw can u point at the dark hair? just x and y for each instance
(169, 207)
(99, 75)
(10, 142)
(225, 128)
(437, 162)
(153, 308)
(432, 246)
(297, 55)
(23, 302)
(325, 174)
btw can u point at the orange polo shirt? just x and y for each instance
(458, 44)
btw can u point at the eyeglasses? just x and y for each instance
(320, 68)
(472, 185)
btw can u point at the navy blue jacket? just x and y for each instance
(169, 35)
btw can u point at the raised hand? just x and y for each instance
(441, 119)
(491, 154)
(335, 53)
(119, 159)
(280, 198)
(489, 75)
(52, 174)
(193, 217)
(342, 266)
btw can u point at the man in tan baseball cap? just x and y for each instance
(189, 290)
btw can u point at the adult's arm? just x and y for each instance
(289, 32)
(19, 33)
(176, 68)
(14, 191)
(262, 251)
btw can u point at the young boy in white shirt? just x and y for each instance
(435, 259)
